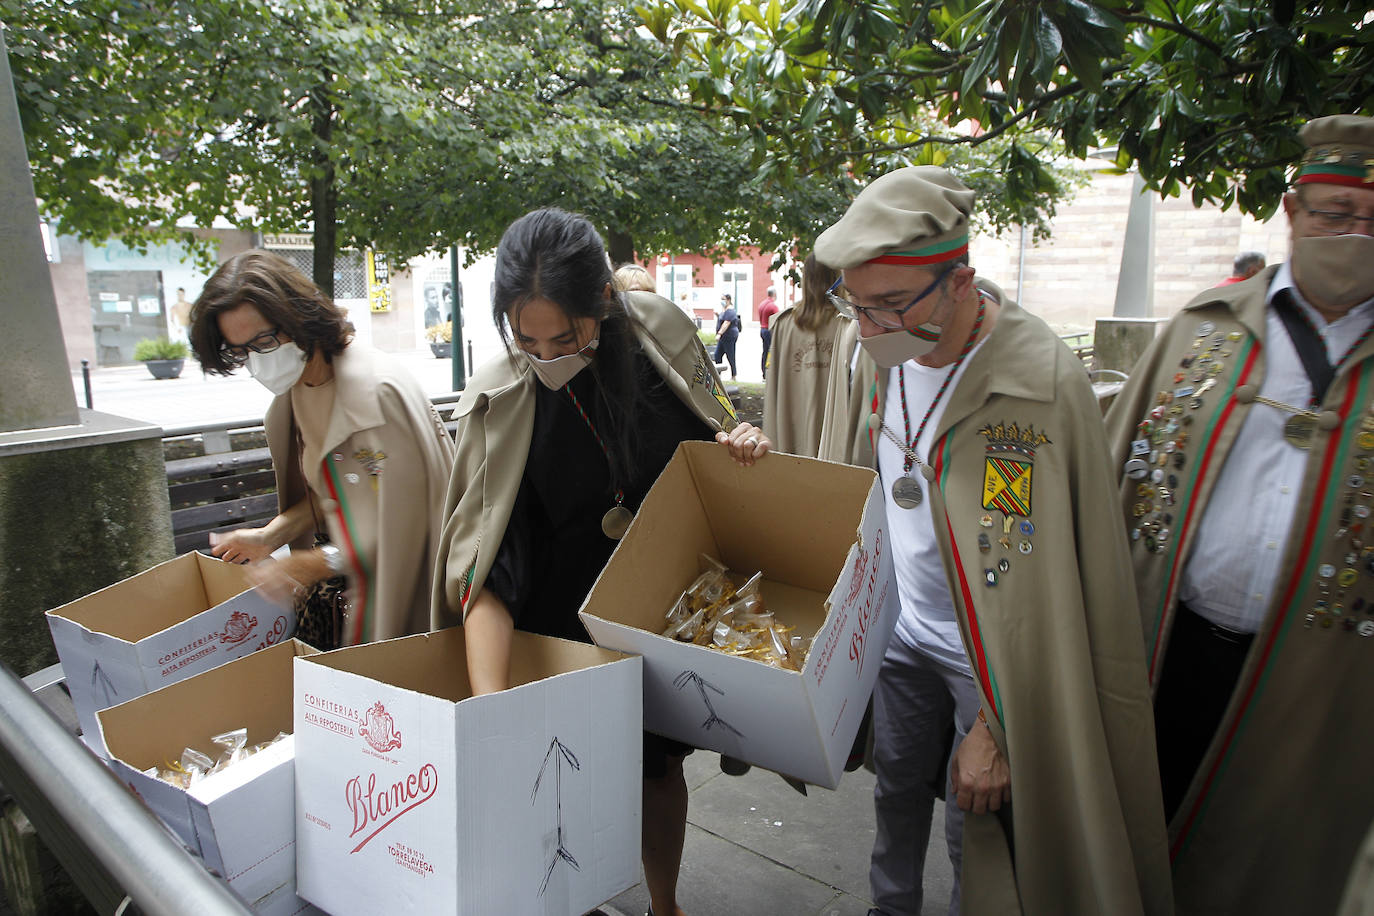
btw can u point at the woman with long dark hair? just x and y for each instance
(361, 458)
(803, 343)
(558, 443)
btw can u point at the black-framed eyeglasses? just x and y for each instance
(237, 355)
(1337, 223)
(883, 318)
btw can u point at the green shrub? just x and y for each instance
(708, 338)
(160, 348)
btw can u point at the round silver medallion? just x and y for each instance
(906, 492)
(616, 522)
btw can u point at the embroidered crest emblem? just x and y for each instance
(702, 377)
(1009, 437)
(1007, 485)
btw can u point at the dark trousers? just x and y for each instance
(725, 347)
(1201, 666)
(767, 335)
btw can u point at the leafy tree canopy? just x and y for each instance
(404, 127)
(1204, 94)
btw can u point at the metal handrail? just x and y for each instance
(192, 429)
(67, 792)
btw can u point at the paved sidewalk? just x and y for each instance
(130, 391)
(755, 847)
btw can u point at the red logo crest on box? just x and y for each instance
(379, 730)
(238, 627)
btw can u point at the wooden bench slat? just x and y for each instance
(183, 495)
(208, 516)
(222, 462)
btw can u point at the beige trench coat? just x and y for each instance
(1281, 800)
(1054, 641)
(794, 395)
(380, 488)
(496, 424)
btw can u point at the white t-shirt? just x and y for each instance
(927, 621)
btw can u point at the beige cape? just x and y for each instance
(1054, 641)
(1281, 800)
(379, 488)
(799, 373)
(496, 424)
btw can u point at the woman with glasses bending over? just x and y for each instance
(359, 453)
(559, 441)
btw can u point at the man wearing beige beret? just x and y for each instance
(1244, 443)
(1018, 625)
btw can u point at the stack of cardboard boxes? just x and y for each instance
(401, 792)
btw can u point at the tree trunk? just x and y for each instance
(324, 196)
(620, 247)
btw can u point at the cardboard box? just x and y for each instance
(241, 820)
(413, 796)
(161, 626)
(817, 531)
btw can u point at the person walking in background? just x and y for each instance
(1245, 266)
(727, 333)
(181, 317)
(1018, 626)
(559, 440)
(358, 450)
(632, 276)
(767, 309)
(1244, 444)
(803, 340)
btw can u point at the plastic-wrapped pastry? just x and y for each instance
(711, 612)
(195, 765)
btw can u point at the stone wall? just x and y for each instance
(74, 520)
(1070, 278)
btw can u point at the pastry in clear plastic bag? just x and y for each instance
(711, 612)
(195, 765)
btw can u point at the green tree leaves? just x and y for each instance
(405, 127)
(1206, 94)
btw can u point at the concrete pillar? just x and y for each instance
(37, 389)
(80, 508)
(1118, 343)
(83, 495)
(1135, 284)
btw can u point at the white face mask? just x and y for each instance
(279, 370)
(557, 372)
(1335, 270)
(896, 347)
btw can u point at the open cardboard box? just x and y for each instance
(817, 531)
(161, 626)
(413, 796)
(241, 820)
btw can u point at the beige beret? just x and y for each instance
(1340, 150)
(916, 215)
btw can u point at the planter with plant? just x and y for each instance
(440, 337)
(164, 358)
